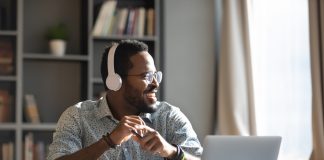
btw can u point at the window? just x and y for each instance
(281, 73)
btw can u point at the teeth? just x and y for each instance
(150, 94)
(153, 91)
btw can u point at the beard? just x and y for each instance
(146, 108)
(137, 99)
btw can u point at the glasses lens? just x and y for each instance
(151, 75)
(158, 76)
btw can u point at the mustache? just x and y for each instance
(151, 88)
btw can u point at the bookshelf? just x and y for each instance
(9, 42)
(56, 82)
(97, 42)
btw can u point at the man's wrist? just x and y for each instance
(109, 141)
(179, 154)
(173, 153)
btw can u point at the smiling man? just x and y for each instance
(128, 122)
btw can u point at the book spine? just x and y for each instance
(109, 13)
(123, 21)
(6, 57)
(141, 22)
(4, 106)
(29, 138)
(150, 22)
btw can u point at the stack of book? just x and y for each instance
(124, 21)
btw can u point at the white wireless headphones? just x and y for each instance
(113, 80)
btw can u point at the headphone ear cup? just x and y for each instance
(113, 82)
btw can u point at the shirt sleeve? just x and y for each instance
(183, 134)
(67, 136)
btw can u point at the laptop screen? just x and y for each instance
(241, 147)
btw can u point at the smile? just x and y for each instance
(150, 95)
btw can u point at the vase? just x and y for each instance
(57, 47)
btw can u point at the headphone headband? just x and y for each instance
(111, 59)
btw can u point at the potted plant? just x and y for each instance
(57, 36)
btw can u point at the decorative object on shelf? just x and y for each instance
(57, 36)
(31, 109)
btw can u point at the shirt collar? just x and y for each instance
(104, 111)
(147, 117)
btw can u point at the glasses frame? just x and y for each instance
(147, 76)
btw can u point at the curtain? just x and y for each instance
(235, 106)
(316, 18)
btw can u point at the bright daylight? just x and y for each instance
(281, 73)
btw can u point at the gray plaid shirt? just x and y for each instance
(84, 123)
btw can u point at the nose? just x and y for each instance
(155, 82)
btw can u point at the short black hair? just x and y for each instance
(122, 63)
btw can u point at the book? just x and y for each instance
(104, 18)
(113, 26)
(150, 22)
(7, 151)
(39, 151)
(113, 30)
(135, 21)
(4, 106)
(6, 57)
(10, 151)
(109, 17)
(123, 21)
(130, 22)
(29, 146)
(31, 109)
(141, 22)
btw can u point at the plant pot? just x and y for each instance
(57, 47)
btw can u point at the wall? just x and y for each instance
(190, 60)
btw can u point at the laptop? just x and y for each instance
(241, 147)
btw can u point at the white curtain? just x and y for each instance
(235, 106)
(316, 13)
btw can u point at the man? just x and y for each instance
(129, 122)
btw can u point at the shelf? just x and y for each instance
(97, 80)
(48, 56)
(41, 126)
(8, 33)
(8, 126)
(121, 37)
(8, 78)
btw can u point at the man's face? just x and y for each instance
(138, 92)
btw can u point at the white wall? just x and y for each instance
(190, 60)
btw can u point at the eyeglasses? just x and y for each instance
(148, 76)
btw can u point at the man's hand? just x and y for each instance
(153, 142)
(123, 131)
(149, 139)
